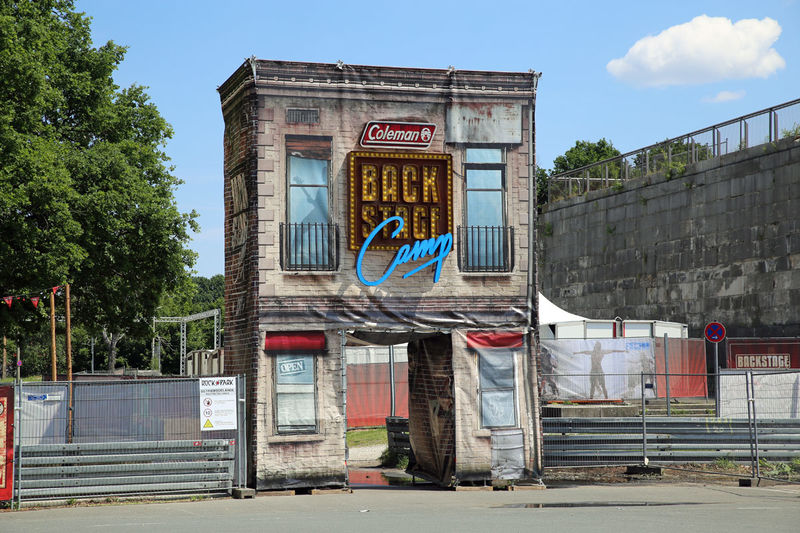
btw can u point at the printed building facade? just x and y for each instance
(380, 205)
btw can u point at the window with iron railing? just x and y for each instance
(308, 240)
(485, 248)
(485, 241)
(309, 246)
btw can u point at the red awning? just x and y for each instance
(494, 339)
(295, 341)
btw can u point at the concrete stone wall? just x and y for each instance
(721, 242)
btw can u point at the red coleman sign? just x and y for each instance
(416, 135)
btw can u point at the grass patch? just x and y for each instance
(12, 373)
(725, 463)
(357, 438)
(390, 459)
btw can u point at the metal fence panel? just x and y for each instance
(758, 435)
(123, 437)
(43, 410)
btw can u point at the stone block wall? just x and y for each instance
(721, 243)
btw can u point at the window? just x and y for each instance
(309, 241)
(295, 398)
(486, 240)
(497, 390)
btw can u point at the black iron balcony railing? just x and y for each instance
(485, 248)
(309, 246)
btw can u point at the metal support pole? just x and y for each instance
(391, 379)
(344, 403)
(771, 138)
(532, 376)
(666, 369)
(18, 429)
(644, 425)
(153, 347)
(241, 383)
(746, 134)
(67, 313)
(92, 355)
(747, 381)
(183, 349)
(716, 379)
(775, 125)
(216, 334)
(53, 365)
(755, 427)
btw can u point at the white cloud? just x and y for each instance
(704, 50)
(725, 96)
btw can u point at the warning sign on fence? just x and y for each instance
(217, 404)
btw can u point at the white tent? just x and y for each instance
(550, 313)
(556, 323)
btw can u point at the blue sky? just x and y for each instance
(632, 72)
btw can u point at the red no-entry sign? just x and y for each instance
(715, 332)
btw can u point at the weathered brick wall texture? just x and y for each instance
(260, 297)
(345, 129)
(721, 242)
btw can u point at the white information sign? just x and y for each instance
(217, 404)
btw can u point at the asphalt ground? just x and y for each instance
(617, 508)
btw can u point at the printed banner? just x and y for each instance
(764, 354)
(6, 442)
(597, 369)
(217, 404)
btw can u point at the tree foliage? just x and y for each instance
(86, 193)
(584, 153)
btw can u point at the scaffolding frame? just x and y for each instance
(183, 320)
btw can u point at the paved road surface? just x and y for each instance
(640, 507)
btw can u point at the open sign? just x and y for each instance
(295, 366)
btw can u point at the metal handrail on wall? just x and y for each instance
(673, 155)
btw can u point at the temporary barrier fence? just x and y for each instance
(94, 438)
(759, 436)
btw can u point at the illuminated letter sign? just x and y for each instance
(418, 188)
(383, 134)
(438, 247)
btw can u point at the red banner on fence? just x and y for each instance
(369, 395)
(6, 442)
(687, 368)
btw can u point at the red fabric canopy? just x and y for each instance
(295, 341)
(494, 339)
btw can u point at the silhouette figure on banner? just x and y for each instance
(549, 366)
(597, 379)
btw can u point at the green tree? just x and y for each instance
(86, 194)
(584, 153)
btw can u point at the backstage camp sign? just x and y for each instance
(403, 202)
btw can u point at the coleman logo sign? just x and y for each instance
(416, 135)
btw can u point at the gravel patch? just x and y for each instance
(366, 455)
